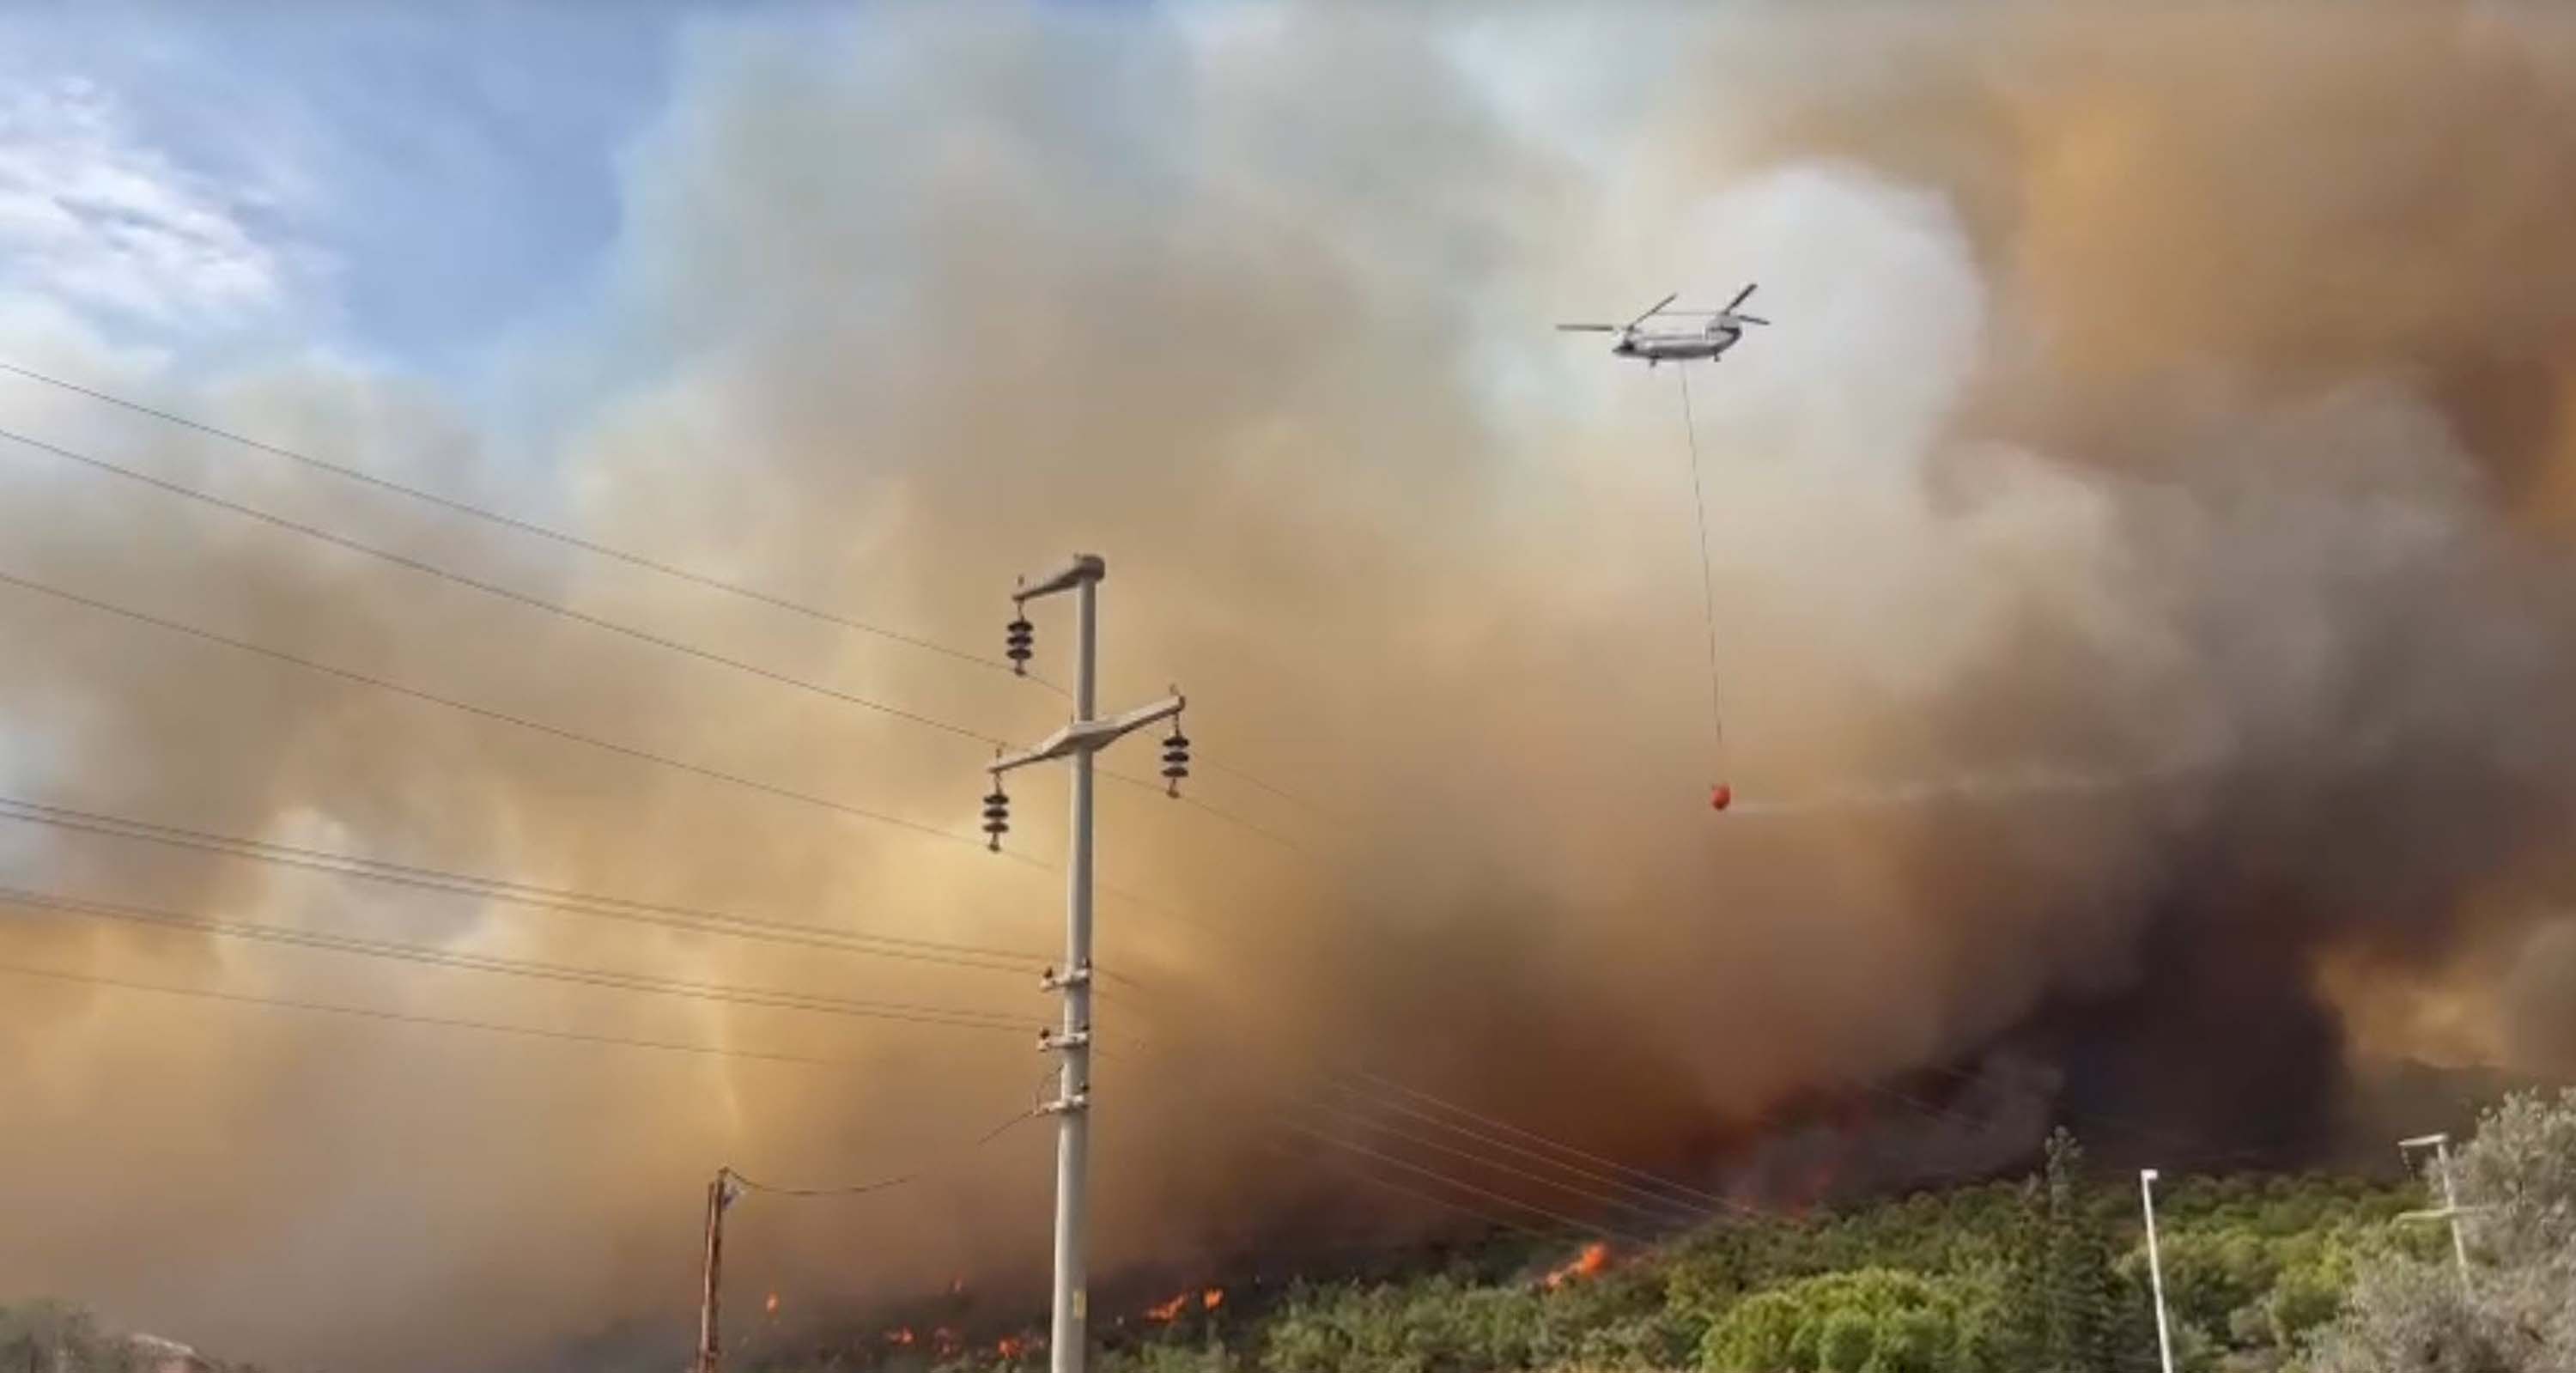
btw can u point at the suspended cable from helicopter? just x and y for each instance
(1682, 346)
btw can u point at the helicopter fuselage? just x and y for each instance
(1694, 346)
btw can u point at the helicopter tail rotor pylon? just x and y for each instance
(1729, 313)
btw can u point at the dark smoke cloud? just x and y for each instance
(2143, 593)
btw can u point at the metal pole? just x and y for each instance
(710, 1353)
(2441, 1146)
(2155, 1267)
(1065, 1350)
(2451, 1204)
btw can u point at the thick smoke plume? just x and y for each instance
(2143, 589)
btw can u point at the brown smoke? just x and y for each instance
(2142, 591)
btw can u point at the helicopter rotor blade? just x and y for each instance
(1740, 298)
(1652, 310)
(1589, 328)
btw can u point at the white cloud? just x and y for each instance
(116, 230)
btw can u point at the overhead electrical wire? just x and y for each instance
(495, 589)
(1305, 1113)
(644, 636)
(682, 918)
(486, 712)
(1665, 1214)
(1488, 1193)
(428, 956)
(524, 526)
(949, 1158)
(1360, 1174)
(568, 539)
(687, 649)
(1132, 898)
(1392, 1095)
(412, 1018)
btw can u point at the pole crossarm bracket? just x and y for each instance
(1089, 736)
(1085, 567)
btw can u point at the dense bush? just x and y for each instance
(2045, 1275)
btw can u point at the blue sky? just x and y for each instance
(371, 179)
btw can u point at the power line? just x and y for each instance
(685, 918)
(1673, 1206)
(565, 538)
(1654, 1207)
(1485, 1192)
(949, 1158)
(771, 998)
(643, 636)
(1639, 1174)
(1651, 1215)
(495, 589)
(556, 731)
(1672, 1195)
(1358, 1173)
(408, 1018)
(1295, 1100)
(525, 526)
(574, 736)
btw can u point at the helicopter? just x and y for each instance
(1709, 341)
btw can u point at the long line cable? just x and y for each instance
(1323, 1119)
(1487, 1193)
(684, 918)
(411, 1018)
(1664, 1214)
(1358, 1173)
(633, 559)
(949, 1158)
(495, 589)
(643, 636)
(424, 955)
(1707, 574)
(486, 712)
(523, 525)
(1133, 898)
(1389, 1094)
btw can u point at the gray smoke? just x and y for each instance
(2142, 592)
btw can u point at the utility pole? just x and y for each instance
(2440, 1144)
(1082, 737)
(720, 1194)
(2155, 1267)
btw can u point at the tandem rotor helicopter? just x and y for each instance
(1705, 343)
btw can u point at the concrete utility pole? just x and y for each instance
(2440, 1144)
(720, 1194)
(2155, 1267)
(1084, 736)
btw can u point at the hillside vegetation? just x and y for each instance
(2309, 1273)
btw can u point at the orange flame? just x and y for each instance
(1168, 1311)
(899, 1335)
(1212, 1298)
(1010, 1346)
(771, 1305)
(1594, 1258)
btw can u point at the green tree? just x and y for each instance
(58, 1337)
(2065, 1302)
(2515, 1310)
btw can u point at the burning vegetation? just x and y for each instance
(1590, 1262)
